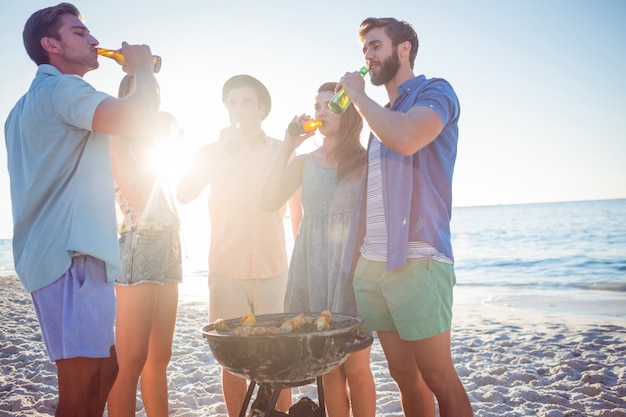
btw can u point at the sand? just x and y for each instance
(513, 363)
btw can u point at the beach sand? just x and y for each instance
(513, 363)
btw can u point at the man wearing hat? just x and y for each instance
(247, 256)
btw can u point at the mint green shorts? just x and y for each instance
(415, 301)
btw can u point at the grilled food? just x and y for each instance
(249, 326)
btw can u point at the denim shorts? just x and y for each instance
(150, 256)
(76, 312)
(415, 301)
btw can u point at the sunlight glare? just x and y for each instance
(167, 156)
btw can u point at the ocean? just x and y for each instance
(554, 257)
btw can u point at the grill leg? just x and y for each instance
(271, 406)
(246, 400)
(320, 395)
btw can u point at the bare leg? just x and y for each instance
(361, 383)
(84, 385)
(154, 375)
(417, 399)
(284, 400)
(107, 377)
(135, 307)
(434, 360)
(234, 389)
(336, 395)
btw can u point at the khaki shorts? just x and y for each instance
(415, 301)
(230, 298)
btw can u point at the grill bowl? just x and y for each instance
(287, 358)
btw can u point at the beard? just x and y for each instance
(388, 69)
(79, 58)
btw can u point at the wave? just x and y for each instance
(611, 286)
(548, 286)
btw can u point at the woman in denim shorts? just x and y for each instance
(147, 289)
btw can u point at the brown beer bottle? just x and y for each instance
(119, 58)
(297, 128)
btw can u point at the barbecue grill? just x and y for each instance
(285, 360)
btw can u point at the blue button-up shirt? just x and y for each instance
(417, 190)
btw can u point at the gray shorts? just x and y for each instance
(150, 256)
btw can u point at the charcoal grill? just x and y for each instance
(286, 360)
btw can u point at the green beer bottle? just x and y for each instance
(340, 102)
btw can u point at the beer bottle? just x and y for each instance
(297, 128)
(119, 57)
(340, 101)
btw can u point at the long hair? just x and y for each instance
(45, 23)
(166, 126)
(349, 151)
(126, 86)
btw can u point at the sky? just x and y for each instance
(541, 83)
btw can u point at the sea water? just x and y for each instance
(553, 257)
(561, 257)
(559, 245)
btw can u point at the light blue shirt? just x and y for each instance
(61, 179)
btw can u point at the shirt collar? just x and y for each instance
(405, 89)
(409, 85)
(48, 69)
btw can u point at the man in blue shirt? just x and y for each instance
(65, 242)
(400, 237)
